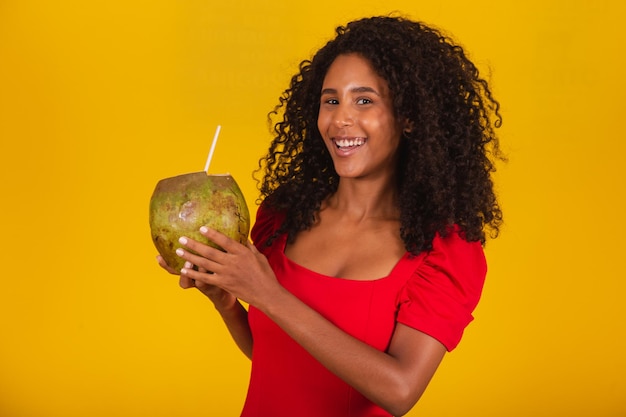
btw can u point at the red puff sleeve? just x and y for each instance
(444, 290)
(267, 221)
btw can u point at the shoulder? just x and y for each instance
(445, 288)
(267, 222)
(457, 257)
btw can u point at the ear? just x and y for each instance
(407, 126)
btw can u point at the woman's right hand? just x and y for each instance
(222, 300)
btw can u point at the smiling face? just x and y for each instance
(357, 121)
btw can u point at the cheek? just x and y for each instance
(374, 123)
(322, 122)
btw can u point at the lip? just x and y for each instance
(347, 145)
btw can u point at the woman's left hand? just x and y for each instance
(240, 269)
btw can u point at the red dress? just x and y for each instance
(433, 292)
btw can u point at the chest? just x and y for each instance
(365, 309)
(362, 252)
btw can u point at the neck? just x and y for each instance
(359, 199)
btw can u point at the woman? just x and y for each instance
(376, 197)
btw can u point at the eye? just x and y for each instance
(330, 101)
(364, 100)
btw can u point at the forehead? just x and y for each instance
(353, 70)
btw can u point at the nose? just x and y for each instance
(343, 116)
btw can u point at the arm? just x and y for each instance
(236, 320)
(395, 380)
(234, 315)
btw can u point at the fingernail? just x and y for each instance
(180, 252)
(183, 271)
(188, 264)
(204, 229)
(182, 240)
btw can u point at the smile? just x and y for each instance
(349, 143)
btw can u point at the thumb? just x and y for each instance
(252, 248)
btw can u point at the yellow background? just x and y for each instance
(101, 99)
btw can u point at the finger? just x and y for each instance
(186, 282)
(202, 264)
(220, 239)
(198, 277)
(165, 266)
(206, 289)
(252, 248)
(202, 249)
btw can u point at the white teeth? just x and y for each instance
(342, 143)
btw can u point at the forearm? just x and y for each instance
(379, 376)
(394, 379)
(236, 320)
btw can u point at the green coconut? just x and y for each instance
(180, 205)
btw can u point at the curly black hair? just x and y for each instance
(446, 161)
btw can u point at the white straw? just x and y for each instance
(208, 160)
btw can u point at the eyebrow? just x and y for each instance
(353, 90)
